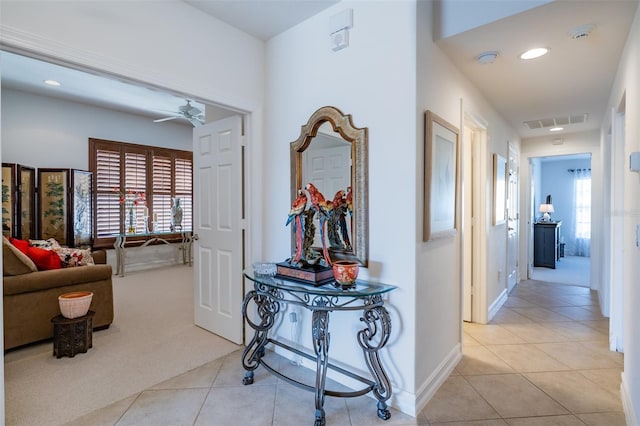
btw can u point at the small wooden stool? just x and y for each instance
(72, 336)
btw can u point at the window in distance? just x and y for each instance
(162, 174)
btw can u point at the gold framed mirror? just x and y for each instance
(332, 154)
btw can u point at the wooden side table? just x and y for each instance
(72, 336)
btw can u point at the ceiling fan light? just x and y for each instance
(534, 53)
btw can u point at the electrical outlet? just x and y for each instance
(638, 235)
(499, 275)
(293, 317)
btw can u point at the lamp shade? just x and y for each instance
(546, 208)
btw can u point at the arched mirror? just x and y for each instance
(332, 154)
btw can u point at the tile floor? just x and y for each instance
(543, 360)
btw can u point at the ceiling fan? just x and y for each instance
(189, 112)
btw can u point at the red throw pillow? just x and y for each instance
(22, 245)
(44, 259)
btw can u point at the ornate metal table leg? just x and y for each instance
(373, 338)
(320, 333)
(118, 245)
(253, 353)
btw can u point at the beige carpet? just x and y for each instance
(571, 270)
(151, 339)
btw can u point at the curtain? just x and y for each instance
(582, 219)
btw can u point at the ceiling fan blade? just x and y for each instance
(159, 120)
(195, 121)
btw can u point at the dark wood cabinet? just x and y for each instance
(546, 244)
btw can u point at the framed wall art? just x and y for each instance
(440, 177)
(499, 189)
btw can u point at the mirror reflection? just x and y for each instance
(327, 164)
(330, 156)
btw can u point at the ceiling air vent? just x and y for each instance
(544, 123)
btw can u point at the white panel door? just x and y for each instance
(217, 187)
(513, 225)
(330, 170)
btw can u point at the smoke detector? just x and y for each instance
(487, 57)
(581, 31)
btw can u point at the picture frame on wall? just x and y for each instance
(440, 177)
(499, 189)
(53, 204)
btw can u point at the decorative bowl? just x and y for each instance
(345, 272)
(75, 304)
(264, 269)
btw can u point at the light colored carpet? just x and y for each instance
(152, 339)
(572, 270)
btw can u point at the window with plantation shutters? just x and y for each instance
(107, 173)
(183, 189)
(141, 178)
(162, 192)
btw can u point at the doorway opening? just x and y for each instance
(474, 217)
(562, 226)
(131, 99)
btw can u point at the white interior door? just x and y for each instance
(513, 225)
(217, 184)
(329, 170)
(467, 223)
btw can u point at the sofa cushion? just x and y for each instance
(22, 245)
(44, 259)
(14, 262)
(71, 257)
(50, 244)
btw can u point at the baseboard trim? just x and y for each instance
(437, 378)
(627, 405)
(495, 306)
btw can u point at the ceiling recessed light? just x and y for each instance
(52, 83)
(534, 53)
(487, 57)
(556, 129)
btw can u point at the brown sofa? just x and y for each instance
(31, 296)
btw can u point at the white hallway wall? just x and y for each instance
(441, 89)
(385, 81)
(627, 87)
(366, 81)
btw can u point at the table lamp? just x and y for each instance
(546, 209)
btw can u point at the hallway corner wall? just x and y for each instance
(625, 95)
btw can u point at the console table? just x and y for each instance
(268, 295)
(120, 243)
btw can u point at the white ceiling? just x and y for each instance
(27, 74)
(575, 78)
(262, 19)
